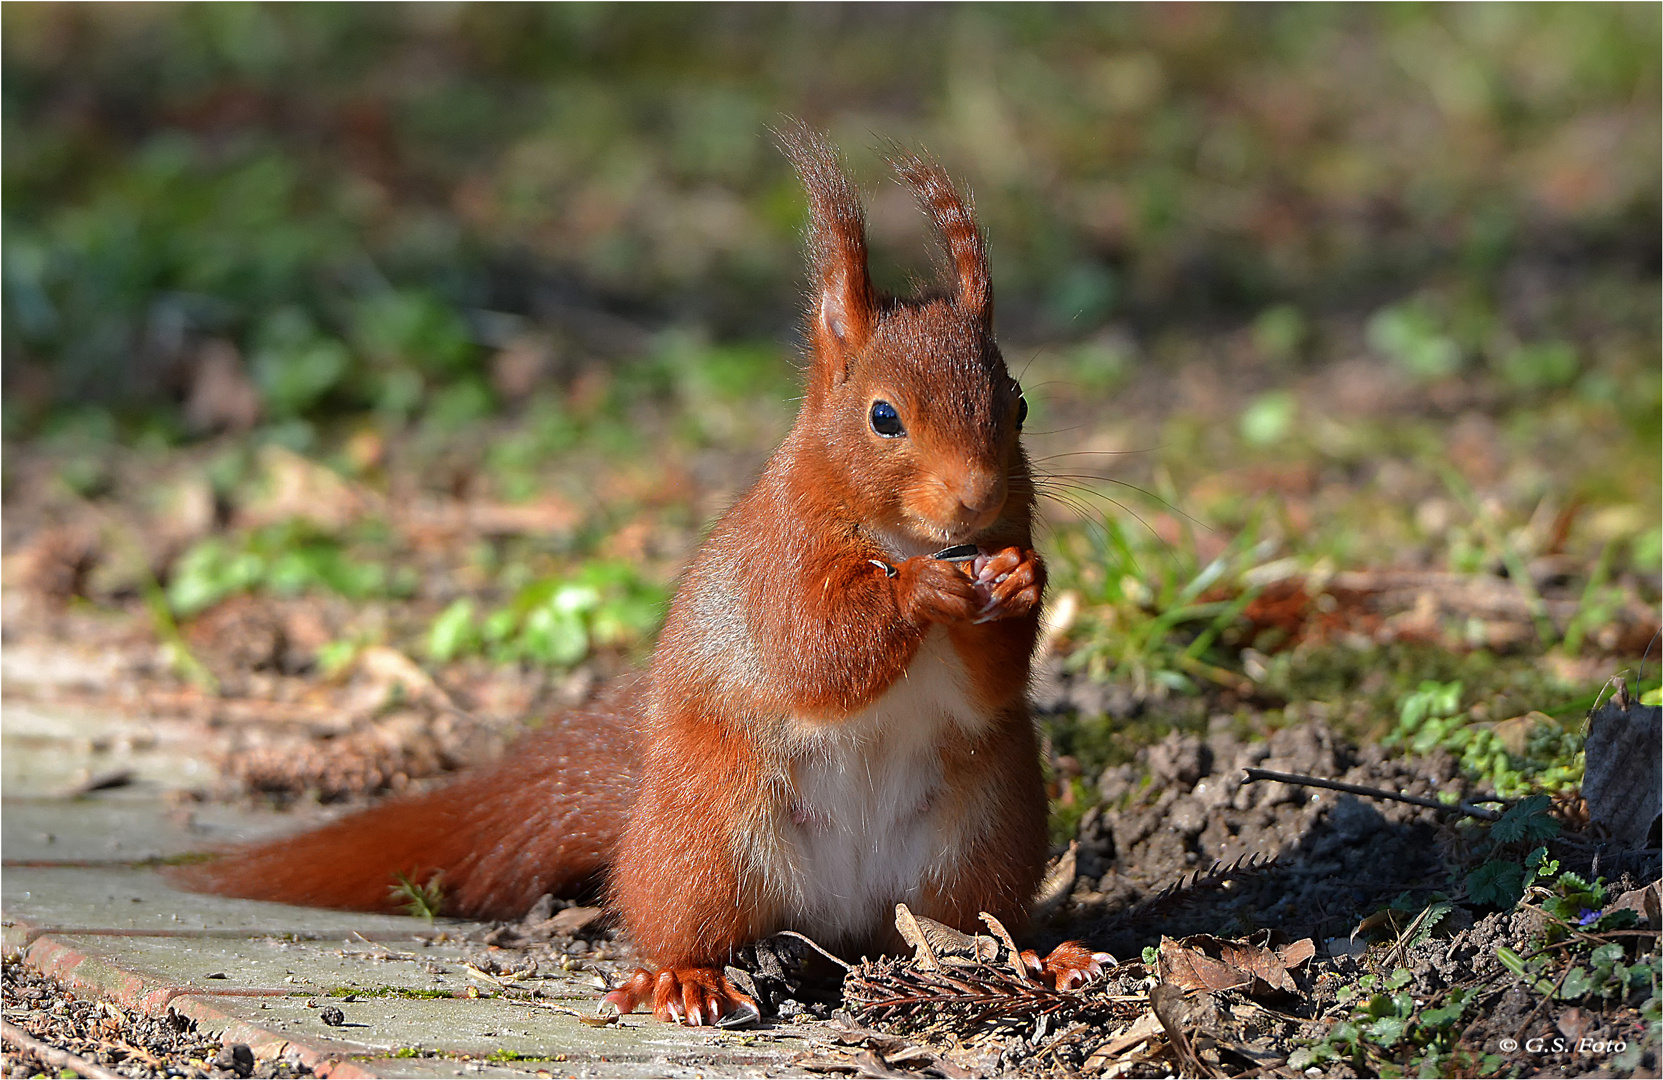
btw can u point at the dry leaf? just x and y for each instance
(1648, 901)
(1058, 883)
(1623, 779)
(1141, 1030)
(1187, 963)
(1192, 969)
(573, 919)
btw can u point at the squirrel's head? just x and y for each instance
(909, 397)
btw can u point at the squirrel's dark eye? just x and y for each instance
(1021, 411)
(886, 421)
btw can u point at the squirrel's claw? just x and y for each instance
(743, 1014)
(698, 997)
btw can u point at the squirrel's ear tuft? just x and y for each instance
(844, 306)
(956, 225)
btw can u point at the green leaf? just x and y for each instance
(1269, 418)
(1435, 914)
(1510, 960)
(1528, 819)
(1577, 984)
(1386, 1031)
(1571, 883)
(1540, 366)
(452, 632)
(553, 636)
(1538, 865)
(1606, 955)
(1447, 1014)
(208, 573)
(499, 625)
(1498, 882)
(1409, 335)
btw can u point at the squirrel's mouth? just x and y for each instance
(917, 536)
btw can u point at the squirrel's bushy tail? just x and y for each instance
(546, 818)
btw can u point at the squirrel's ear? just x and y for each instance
(957, 228)
(844, 306)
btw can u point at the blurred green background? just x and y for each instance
(370, 202)
(446, 328)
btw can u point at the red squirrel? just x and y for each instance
(834, 720)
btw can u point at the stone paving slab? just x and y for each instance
(321, 968)
(484, 1026)
(77, 902)
(278, 1018)
(45, 749)
(127, 827)
(140, 899)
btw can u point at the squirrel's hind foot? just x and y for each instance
(1070, 964)
(694, 996)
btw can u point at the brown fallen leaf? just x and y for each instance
(1647, 900)
(1167, 1001)
(1241, 963)
(1140, 1030)
(1188, 967)
(1259, 962)
(573, 919)
(1058, 882)
(936, 943)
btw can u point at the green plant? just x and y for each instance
(1386, 1018)
(284, 559)
(1155, 617)
(553, 620)
(1413, 337)
(1502, 879)
(1541, 365)
(425, 900)
(1269, 418)
(1431, 718)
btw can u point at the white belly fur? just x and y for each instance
(860, 831)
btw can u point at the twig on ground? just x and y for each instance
(1549, 996)
(51, 1055)
(1301, 780)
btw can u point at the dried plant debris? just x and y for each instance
(1188, 889)
(1203, 962)
(52, 1028)
(967, 999)
(1452, 1000)
(973, 986)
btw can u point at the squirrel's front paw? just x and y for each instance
(933, 591)
(1009, 583)
(693, 996)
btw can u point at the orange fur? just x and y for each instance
(828, 706)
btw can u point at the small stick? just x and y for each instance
(816, 946)
(58, 1059)
(1374, 793)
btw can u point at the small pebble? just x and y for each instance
(235, 1057)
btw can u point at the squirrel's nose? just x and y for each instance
(981, 497)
